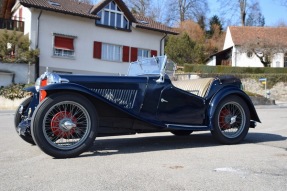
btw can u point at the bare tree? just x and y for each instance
(241, 7)
(264, 49)
(140, 7)
(181, 10)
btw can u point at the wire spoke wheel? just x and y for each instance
(231, 120)
(66, 125)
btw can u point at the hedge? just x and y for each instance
(273, 75)
(232, 70)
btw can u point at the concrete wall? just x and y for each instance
(23, 73)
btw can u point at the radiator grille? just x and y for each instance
(122, 97)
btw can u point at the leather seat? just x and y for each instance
(198, 86)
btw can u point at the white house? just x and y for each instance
(76, 37)
(233, 53)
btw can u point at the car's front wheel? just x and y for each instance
(64, 125)
(231, 120)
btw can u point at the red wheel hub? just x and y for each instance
(58, 121)
(224, 119)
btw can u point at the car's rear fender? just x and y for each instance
(228, 91)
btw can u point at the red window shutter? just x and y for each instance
(97, 50)
(64, 43)
(126, 53)
(153, 53)
(134, 54)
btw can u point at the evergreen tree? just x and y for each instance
(214, 24)
(182, 49)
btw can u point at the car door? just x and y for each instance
(180, 107)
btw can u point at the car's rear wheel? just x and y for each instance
(181, 132)
(231, 120)
(18, 118)
(65, 125)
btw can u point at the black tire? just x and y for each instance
(181, 132)
(18, 118)
(65, 125)
(231, 120)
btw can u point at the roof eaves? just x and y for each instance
(59, 11)
(158, 30)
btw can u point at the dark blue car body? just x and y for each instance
(141, 104)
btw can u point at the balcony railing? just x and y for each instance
(12, 25)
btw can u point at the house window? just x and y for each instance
(138, 53)
(285, 60)
(249, 54)
(64, 46)
(112, 16)
(111, 52)
(143, 53)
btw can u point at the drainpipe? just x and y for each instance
(37, 64)
(160, 46)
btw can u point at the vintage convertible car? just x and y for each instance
(67, 112)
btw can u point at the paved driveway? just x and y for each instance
(157, 161)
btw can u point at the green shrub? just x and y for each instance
(228, 70)
(273, 75)
(14, 91)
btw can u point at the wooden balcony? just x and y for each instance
(12, 25)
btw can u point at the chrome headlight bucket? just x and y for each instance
(38, 84)
(49, 78)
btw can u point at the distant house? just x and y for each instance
(233, 53)
(76, 37)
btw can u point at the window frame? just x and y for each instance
(117, 14)
(64, 52)
(139, 57)
(109, 52)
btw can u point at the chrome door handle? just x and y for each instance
(163, 100)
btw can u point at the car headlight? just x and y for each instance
(49, 78)
(37, 84)
(53, 78)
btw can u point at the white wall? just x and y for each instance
(24, 73)
(228, 42)
(86, 32)
(240, 59)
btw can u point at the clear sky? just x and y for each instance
(272, 10)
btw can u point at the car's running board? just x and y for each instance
(187, 127)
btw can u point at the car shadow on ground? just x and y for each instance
(263, 137)
(118, 145)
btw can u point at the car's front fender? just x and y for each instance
(70, 87)
(31, 89)
(227, 91)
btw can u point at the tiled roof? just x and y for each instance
(150, 24)
(65, 6)
(89, 11)
(243, 35)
